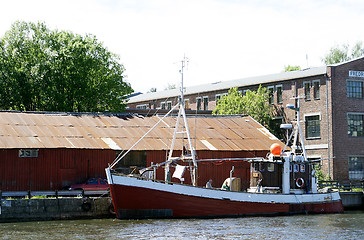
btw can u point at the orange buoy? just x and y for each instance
(275, 149)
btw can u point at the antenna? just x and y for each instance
(184, 63)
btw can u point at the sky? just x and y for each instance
(222, 39)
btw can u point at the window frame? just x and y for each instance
(316, 92)
(270, 94)
(205, 104)
(198, 103)
(355, 94)
(351, 127)
(358, 174)
(279, 96)
(307, 90)
(169, 105)
(310, 115)
(163, 105)
(142, 106)
(271, 167)
(187, 103)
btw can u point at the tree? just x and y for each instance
(290, 68)
(231, 104)
(338, 54)
(45, 70)
(253, 103)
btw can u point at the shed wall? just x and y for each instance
(53, 168)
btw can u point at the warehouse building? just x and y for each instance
(50, 151)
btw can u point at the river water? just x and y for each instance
(349, 225)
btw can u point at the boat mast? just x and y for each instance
(182, 113)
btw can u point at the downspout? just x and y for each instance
(328, 126)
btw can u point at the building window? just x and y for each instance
(270, 167)
(279, 94)
(271, 95)
(245, 91)
(354, 89)
(307, 88)
(187, 103)
(206, 103)
(198, 102)
(312, 124)
(217, 97)
(355, 125)
(142, 106)
(169, 105)
(316, 89)
(28, 153)
(356, 171)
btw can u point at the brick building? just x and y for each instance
(332, 108)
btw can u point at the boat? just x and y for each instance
(288, 186)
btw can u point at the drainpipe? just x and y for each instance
(328, 126)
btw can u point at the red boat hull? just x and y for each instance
(139, 202)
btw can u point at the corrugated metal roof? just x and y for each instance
(314, 71)
(96, 131)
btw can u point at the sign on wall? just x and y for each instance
(356, 74)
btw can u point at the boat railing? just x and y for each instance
(163, 181)
(344, 185)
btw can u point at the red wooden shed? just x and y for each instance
(49, 151)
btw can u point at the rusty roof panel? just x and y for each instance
(40, 130)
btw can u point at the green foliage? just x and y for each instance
(290, 68)
(231, 104)
(338, 54)
(44, 70)
(253, 103)
(320, 174)
(39, 197)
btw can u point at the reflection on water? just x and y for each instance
(349, 225)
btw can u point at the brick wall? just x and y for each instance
(345, 145)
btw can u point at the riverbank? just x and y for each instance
(15, 210)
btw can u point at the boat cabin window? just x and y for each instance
(261, 167)
(296, 168)
(256, 167)
(302, 168)
(271, 167)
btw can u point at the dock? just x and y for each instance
(17, 206)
